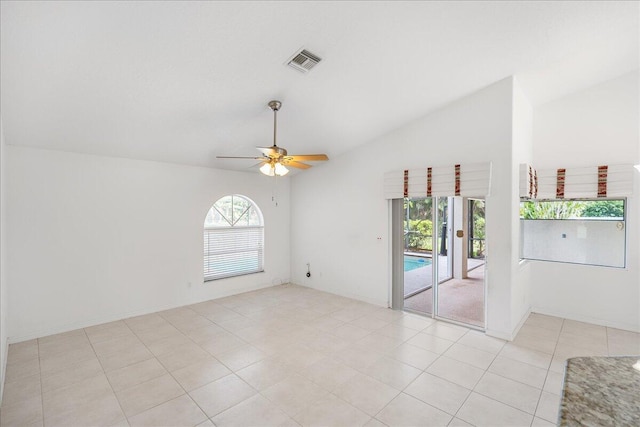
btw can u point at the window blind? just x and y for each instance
(232, 251)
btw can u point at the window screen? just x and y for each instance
(233, 238)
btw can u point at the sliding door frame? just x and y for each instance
(397, 261)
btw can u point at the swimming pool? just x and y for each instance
(413, 262)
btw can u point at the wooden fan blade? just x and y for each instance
(295, 164)
(309, 157)
(236, 157)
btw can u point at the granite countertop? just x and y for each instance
(601, 391)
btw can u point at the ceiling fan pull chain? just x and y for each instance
(274, 191)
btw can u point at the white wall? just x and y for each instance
(340, 219)
(3, 261)
(522, 152)
(592, 127)
(94, 239)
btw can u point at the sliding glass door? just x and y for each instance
(438, 253)
(418, 255)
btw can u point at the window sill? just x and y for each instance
(231, 277)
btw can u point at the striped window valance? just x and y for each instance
(576, 183)
(467, 180)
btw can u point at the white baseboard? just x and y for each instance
(3, 368)
(520, 324)
(373, 301)
(588, 319)
(506, 335)
(66, 327)
(498, 334)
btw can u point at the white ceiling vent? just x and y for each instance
(304, 61)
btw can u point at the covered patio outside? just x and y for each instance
(461, 300)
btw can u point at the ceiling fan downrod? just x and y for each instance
(275, 106)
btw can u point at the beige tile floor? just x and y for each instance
(294, 356)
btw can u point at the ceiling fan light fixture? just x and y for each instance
(267, 169)
(277, 169)
(280, 169)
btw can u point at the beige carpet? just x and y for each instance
(461, 300)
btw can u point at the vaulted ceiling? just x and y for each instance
(183, 82)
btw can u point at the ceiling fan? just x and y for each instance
(274, 159)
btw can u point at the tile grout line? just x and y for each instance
(470, 393)
(549, 368)
(331, 392)
(169, 372)
(84, 333)
(232, 372)
(156, 358)
(504, 403)
(258, 392)
(424, 371)
(104, 372)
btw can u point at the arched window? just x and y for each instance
(233, 238)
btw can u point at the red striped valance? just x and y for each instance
(602, 181)
(560, 177)
(467, 180)
(576, 183)
(532, 185)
